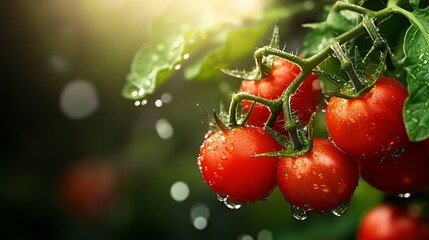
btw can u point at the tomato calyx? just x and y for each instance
(301, 144)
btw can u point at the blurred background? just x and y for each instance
(79, 161)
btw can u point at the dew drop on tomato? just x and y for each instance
(299, 213)
(404, 195)
(397, 152)
(341, 209)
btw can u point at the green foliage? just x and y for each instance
(416, 48)
(200, 44)
(321, 33)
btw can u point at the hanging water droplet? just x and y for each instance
(224, 198)
(299, 213)
(232, 205)
(341, 209)
(404, 195)
(397, 152)
(221, 197)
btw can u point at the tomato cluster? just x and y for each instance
(367, 139)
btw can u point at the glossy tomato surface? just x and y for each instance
(370, 126)
(319, 180)
(391, 222)
(304, 101)
(228, 165)
(406, 173)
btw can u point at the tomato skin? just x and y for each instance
(391, 222)
(370, 126)
(407, 173)
(227, 164)
(304, 101)
(319, 180)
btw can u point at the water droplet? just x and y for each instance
(144, 102)
(404, 195)
(224, 198)
(141, 92)
(341, 209)
(158, 103)
(221, 197)
(298, 176)
(415, 120)
(295, 166)
(208, 134)
(315, 186)
(352, 120)
(186, 56)
(299, 213)
(223, 139)
(219, 166)
(320, 176)
(368, 137)
(230, 147)
(177, 67)
(232, 205)
(223, 156)
(397, 152)
(137, 103)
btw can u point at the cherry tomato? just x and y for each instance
(304, 101)
(391, 222)
(228, 165)
(369, 126)
(319, 180)
(88, 189)
(406, 173)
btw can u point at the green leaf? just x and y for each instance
(152, 65)
(238, 43)
(321, 33)
(416, 49)
(415, 3)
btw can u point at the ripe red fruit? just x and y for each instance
(227, 164)
(407, 173)
(369, 126)
(319, 180)
(304, 101)
(391, 222)
(88, 189)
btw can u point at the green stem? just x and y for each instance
(308, 64)
(273, 105)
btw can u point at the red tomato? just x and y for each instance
(319, 180)
(227, 164)
(391, 222)
(88, 189)
(304, 102)
(407, 173)
(369, 126)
